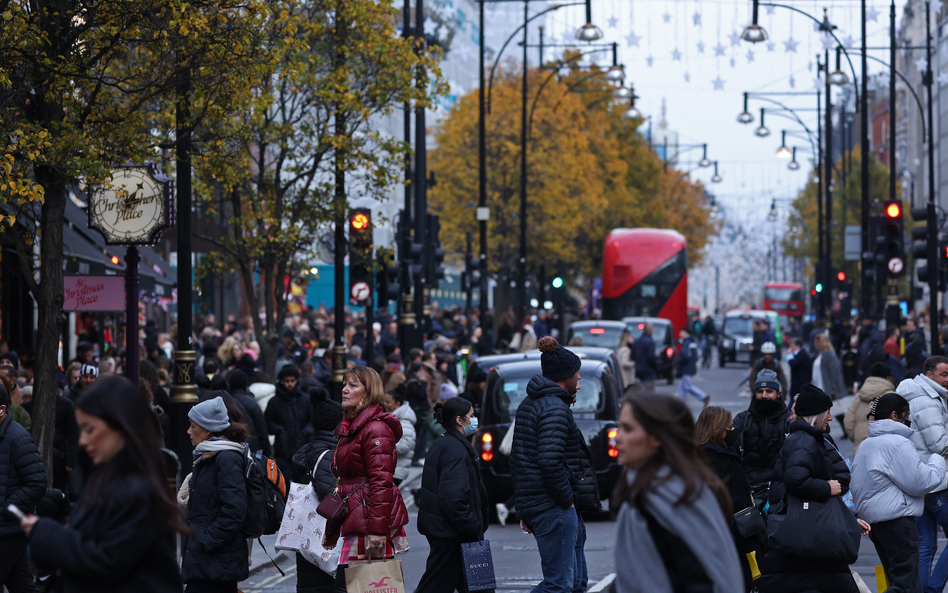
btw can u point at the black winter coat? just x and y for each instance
(217, 551)
(22, 476)
(309, 577)
(122, 545)
(452, 502)
(643, 350)
(726, 464)
(254, 418)
(801, 371)
(66, 435)
(804, 466)
(760, 438)
(546, 457)
(288, 417)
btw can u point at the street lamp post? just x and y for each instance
(522, 264)
(828, 139)
(932, 220)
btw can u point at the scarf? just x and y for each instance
(207, 449)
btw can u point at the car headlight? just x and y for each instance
(728, 343)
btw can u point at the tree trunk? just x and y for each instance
(49, 301)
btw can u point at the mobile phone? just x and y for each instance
(13, 510)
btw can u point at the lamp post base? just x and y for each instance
(183, 398)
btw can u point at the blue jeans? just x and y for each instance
(685, 386)
(580, 575)
(556, 531)
(934, 516)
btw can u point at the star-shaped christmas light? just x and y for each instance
(696, 17)
(613, 22)
(828, 43)
(632, 40)
(942, 78)
(872, 14)
(883, 80)
(676, 55)
(666, 17)
(848, 42)
(921, 64)
(818, 83)
(936, 6)
(719, 49)
(735, 38)
(701, 47)
(770, 9)
(431, 27)
(649, 60)
(750, 56)
(770, 46)
(718, 84)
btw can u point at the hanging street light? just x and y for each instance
(772, 215)
(617, 72)
(754, 33)
(631, 113)
(716, 178)
(705, 162)
(783, 152)
(838, 77)
(793, 165)
(621, 93)
(762, 131)
(745, 116)
(589, 32)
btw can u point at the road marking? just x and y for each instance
(270, 581)
(601, 585)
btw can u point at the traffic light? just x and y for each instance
(360, 256)
(819, 287)
(436, 261)
(893, 239)
(386, 279)
(920, 237)
(557, 282)
(943, 266)
(841, 276)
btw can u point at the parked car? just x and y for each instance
(663, 334)
(598, 333)
(596, 411)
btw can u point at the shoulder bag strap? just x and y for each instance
(318, 461)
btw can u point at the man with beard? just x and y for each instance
(761, 430)
(288, 418)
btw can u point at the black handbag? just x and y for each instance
(749, 522)
(816, 530)
(478, 566)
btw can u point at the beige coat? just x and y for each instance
(855, 422)
(626, 365)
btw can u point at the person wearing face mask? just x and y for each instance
(452, 501)
(761, 431)
(889, 484)
(714, 431)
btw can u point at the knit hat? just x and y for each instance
(13, 357)
(812, 401)
(558, 363)
(766, 378)
(89, 369)
(211, 415)
(289, 370)
(327, 413)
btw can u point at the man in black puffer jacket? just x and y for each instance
(288, 418)
(260, 435)
(22, 484)
(761, 430)
(547, 462)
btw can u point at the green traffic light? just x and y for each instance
(819, 287)
(557, 282)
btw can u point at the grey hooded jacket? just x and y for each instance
(889, 480)
(929, 414)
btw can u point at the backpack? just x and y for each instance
(266, 496)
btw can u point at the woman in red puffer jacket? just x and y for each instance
(364, 467)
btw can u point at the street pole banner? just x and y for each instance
(94, 293)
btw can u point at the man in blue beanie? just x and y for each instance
(761, 430)
(548, 461)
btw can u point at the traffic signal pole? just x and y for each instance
(932, 220)
(828, 163)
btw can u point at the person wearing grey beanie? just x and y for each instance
(762, 430)
(210, 415)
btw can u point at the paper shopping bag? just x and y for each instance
(478, 566)
(376, 577)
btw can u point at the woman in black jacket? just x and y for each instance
(216, 558)
(452, 502)
(327, 414)
(810, 470)
(716, 436)
(120, 536)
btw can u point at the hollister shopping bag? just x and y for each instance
(376, 577)
(478, 566)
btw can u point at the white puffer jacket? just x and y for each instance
(405, 447)
(888, 479)
(927, 401)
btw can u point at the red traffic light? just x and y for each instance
(841, 276)
(813, 292)
(893, 210)
(359, 221)
(946, 251)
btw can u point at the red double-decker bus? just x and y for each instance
(645, 274)
(784, 298)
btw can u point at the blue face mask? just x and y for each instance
(471, 428)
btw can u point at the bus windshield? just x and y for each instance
(783, 294)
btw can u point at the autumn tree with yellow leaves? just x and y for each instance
(589, 171)
(85, 85)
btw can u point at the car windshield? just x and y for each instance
(658, 331)
(739, 326)
(599, 337)
(513, 391)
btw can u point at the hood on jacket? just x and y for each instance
(539, 386)
(873, 388)
(404, 412)
(367, 415)
(921, 385)
(888, 426)
(282, 393)
(801, 425)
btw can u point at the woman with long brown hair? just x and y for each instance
(364, 467)
(672, 507)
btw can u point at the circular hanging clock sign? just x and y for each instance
(135, 209)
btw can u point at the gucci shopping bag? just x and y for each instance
(478, 566)
(376, 577)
